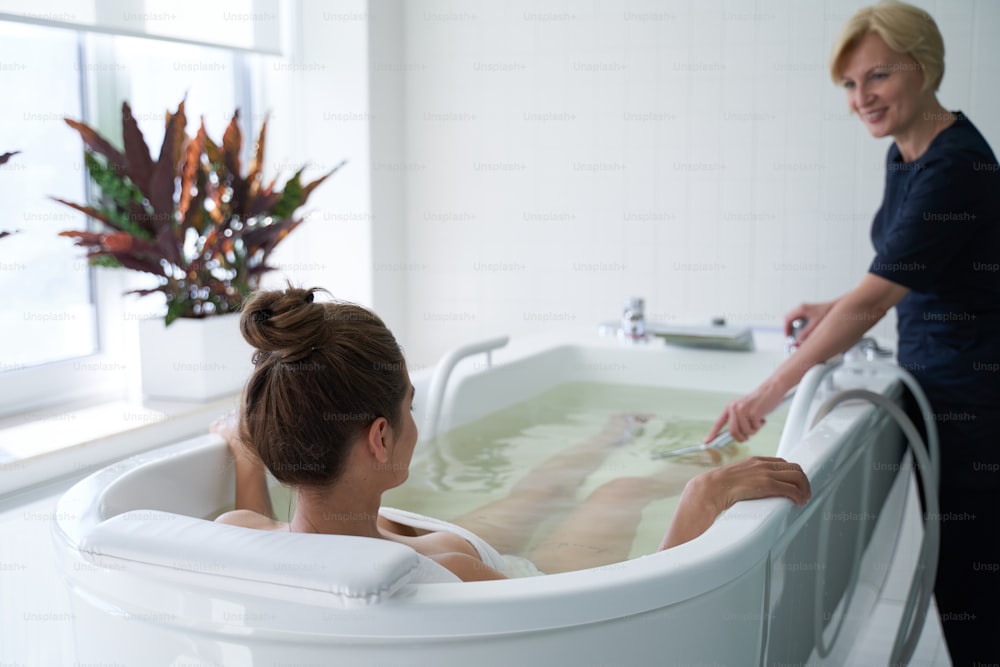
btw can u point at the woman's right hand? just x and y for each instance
(712, 492)
(251, 478)
(752, 478)
(747, 415)
(813, 313)
(227, 428)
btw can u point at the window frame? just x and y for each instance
(35, 392)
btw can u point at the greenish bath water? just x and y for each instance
(481, 462)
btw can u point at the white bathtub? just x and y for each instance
(769, 583)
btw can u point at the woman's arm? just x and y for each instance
(844, 324)
(251, 476)
(813, 313)
(710, 493)
(847, 320)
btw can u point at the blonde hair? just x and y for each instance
(904, 28)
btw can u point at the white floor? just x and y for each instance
(36, 619)
(875, 647)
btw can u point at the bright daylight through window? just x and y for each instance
(59, 342)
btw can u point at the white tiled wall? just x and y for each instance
(320, 109)
(520, 165)
(561, 156)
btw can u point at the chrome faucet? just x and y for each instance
(634, 320)
(632, 327)
(871, 350)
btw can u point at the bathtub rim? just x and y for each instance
(738, 541)
(582, 357)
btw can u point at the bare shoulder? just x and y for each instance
(250, 519)
(466, 567)
(396, 528)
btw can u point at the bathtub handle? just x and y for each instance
(439, 381)
(802, 403)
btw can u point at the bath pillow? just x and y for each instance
(355, 571)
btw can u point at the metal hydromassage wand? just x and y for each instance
(724, 438)
(721, 440)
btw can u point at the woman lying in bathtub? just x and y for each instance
(328, 411)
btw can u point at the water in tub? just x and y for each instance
(483, 461)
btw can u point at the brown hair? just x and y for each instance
(323, 373)
(904, 28)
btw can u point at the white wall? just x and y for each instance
(318, 99)
(561, 156)
(386, 76)
(520, 165)
(337, 94)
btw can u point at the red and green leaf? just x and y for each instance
(190, 172)
(100, 145)
(254, 175)
(237, 221)
(140, 163)
(232, 142)
(307, 189)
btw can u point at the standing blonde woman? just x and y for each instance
(937, 244)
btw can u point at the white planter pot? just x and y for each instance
(193, 359)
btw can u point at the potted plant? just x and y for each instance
(193, 220)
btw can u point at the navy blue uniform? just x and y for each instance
(938, 234)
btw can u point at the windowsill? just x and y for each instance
(49, 444)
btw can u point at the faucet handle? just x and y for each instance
(635, 304)
(798, 324)
(634, 319)
(792, 342)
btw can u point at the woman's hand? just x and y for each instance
(227, 428)
(746, 415)
(752, 478)
(813, 313)
(251, 475)
(712, 492)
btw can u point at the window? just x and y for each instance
(67, 329)
(47, 306)
(158, 75)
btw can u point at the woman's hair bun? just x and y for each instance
(325, 372)
(284, 322)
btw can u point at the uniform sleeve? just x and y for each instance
(935, 225)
